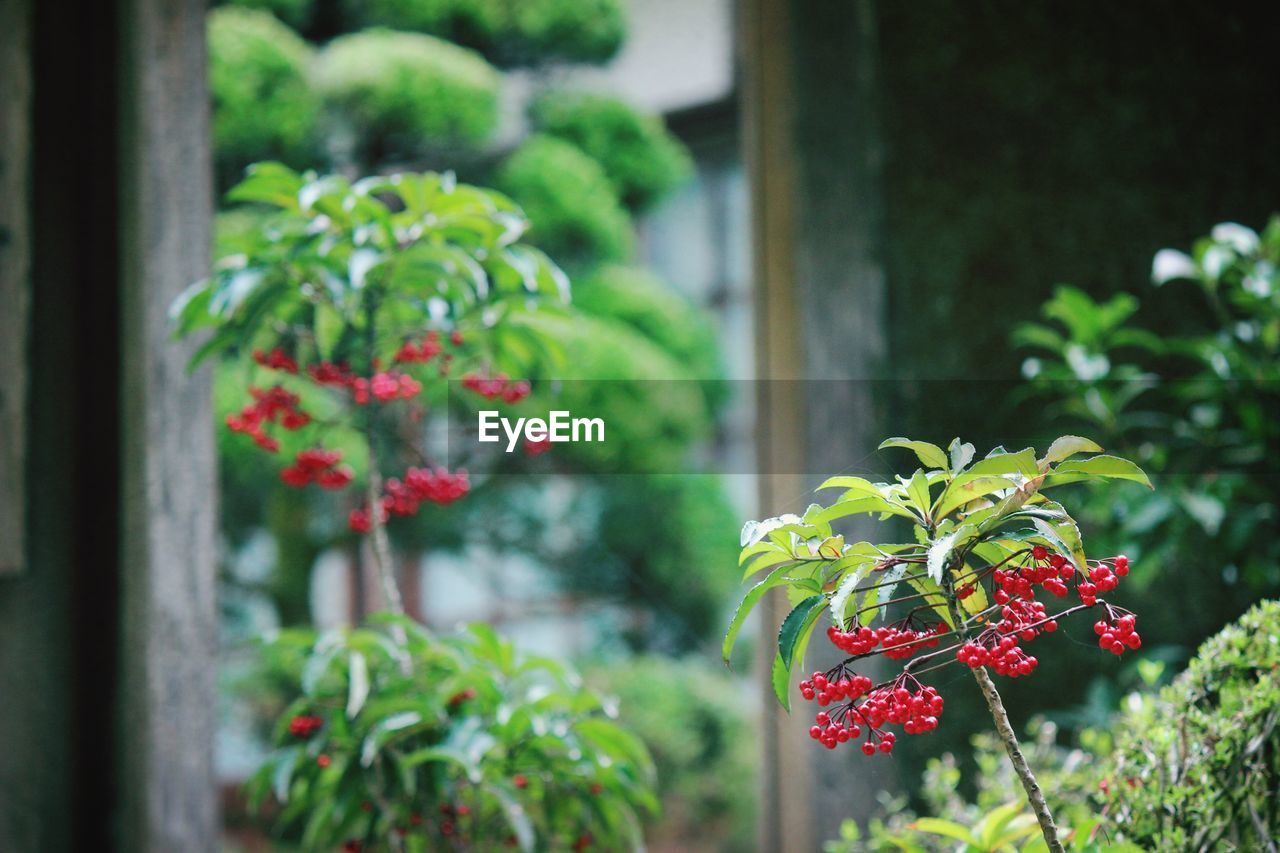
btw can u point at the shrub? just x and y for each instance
(295, 13)
(529, 32)
(576, 213)
(1198, 766)
(258, 68)
(642, 301)
(691, 717)
(444, 742)
(406, 93)
(641, 158)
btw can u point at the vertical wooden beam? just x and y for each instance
(811, 137)
(15, 270)
(169, 509)
(768, 149)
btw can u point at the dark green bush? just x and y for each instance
(295, 13)
(641, 158)
(576, 214)
(263, 107)
(639, 299)
(406, 93)
(1198, 766)
(691, 717)
(528, 32)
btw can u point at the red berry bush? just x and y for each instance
(348, 309)
(995, 565)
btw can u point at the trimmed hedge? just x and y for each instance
(576, 216)
(510, 34)
(1198, 766)
(642, 159)
(639, 299)
(295, 13)
(405, 93)
(263, 107)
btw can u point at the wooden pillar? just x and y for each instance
(169, 509)
(812, 148)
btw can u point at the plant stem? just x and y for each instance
(1034, 795)
(1000, 717)
(381, 546)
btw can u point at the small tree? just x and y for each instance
(350, 306)
(988, 541)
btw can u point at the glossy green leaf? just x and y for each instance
(775, 578)
(1065, 447)
(931, 455)
(1111, 467)
(357, 683)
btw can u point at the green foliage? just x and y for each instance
(403, 94)
(576, 212)
(457, 740)
(595, 351)
(1198, 766)
(968, 517)
(691, 717)
(988, 820)
(675, 590)
(642, 301)
(258, 68)
(384, 256)
(643, 161)
(296, 13)
(528, 32)
(1199, 406)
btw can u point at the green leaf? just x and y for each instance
(961, 455)
(793, 639)
(946, 829)
(956, 496)
(851, 484)
(775, 578)
(282, 775)
(840, 600)
(381, 732)
(1065, 447)
(930, 455)
(918, 492)
(933, 597)
(1111, 467)
(357, 684)
(780, 678)
(269, 183)
(797, 623)
(329, 325)
(941, 548)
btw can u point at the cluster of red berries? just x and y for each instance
(274, 405)
(534, 448)
(277, 359)
(1117, 636)
(1102, 578)
(403, 497)
(1025, 618)
(319, 466)
(498, 387)
(1002, 654)
(897, 641)
(827, 690)
(420, 353)
(917, 712)
(1050, 571)
(305, 725)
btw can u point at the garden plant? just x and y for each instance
(349, 308)
(988, 541)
